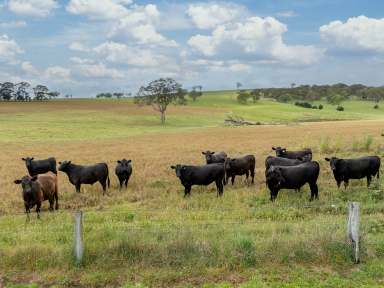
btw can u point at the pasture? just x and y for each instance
(150, 236)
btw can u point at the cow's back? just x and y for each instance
(48, 183)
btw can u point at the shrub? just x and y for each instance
(340, 108)
(376, 107)
(321, 107)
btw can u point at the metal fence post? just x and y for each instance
(353, 228)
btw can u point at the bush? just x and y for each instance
(314, 107)
(376, 107)
(321, 107)
(304, 104)
(340, 108)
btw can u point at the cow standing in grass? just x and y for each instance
(240, 166)
(36, 167)
(214, 157)
(123, 171)
(293, 177)
(305, 154)
(200, 175)
(345, 169)
(79, 174)
(37, 189)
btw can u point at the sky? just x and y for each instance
(84, 47)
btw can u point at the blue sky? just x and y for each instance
(83, 47)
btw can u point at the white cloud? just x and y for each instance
(77, 46)
(255, 38)
(9, 49)
(13, 24)
(210, 15)
(36, 8)
(124, 54)
(356, 34)
(29, 69)
(57, 73)
(96, 9)
(99, 70)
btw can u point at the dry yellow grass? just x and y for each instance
(153, 154)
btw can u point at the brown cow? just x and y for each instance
(37, 189)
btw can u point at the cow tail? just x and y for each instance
(225, 171)
(109, 182)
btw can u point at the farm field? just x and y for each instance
(150, 236)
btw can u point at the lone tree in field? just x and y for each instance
(196, 92)
(160, 93)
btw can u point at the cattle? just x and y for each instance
(278, 161)
(240, 166)
(200, 175)
(37, 189)
(303, 154)
(123, 171)
(293, 177)
(79, 174)
(345, 169)
(36, 167)
(214, 157)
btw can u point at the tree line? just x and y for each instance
(333, 94)
(23, 91)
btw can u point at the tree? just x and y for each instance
(243, 96)
(22, 94)
(256, 94)
(196, 92)
(7, 90)
(53, 94)
(40, 92)
(160, 93)
(238, 85)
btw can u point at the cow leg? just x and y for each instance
(187, 191)
(51, 201)
(233, 179)
(78, 186)
(338, 183)
(369, 180)
(314, 191)
(28, 211)
(57, 201)
(38, 205)
(219, 187)
(104, 185)
(126, 182)
(121, 183)
(253, 176)
(346, 182)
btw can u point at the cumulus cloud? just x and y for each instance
(29, 69)
(9, 49)
(356, 34)
(136, 56)
(210, 15)
(99, 70)
(58, 73)
(286, 14)
(77, 46)
(255, 38)
(36, 8)
(96, 9)
(13, 24)
(53, 73)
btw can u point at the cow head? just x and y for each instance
(275, 177)
(208, 156)
(333, 162)
(26, 183)
(280, 152)
(28, 161)
(64, 165)
(124, 162)
(179, 169)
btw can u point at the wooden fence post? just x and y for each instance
(78, 238)
(353, 228)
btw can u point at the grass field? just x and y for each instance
(150, 236)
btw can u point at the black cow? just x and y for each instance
(293, 177)
(123, 171)
(279, 161)
(345, 169)
(240, 166)
(214, 157)
(37, 189)
(79, 174)
(200, 175)
(303, 154)
(36, 167)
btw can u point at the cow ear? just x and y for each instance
(34, 178)
(173, 167)
(300, 158)
(118, 161)
(273, 148)
(327, 159)
(59, 162)
(129, 161)
(212, 152)
(69, 162)
(203, 153)
(23, 159)
(32, 158)
(18, 181)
